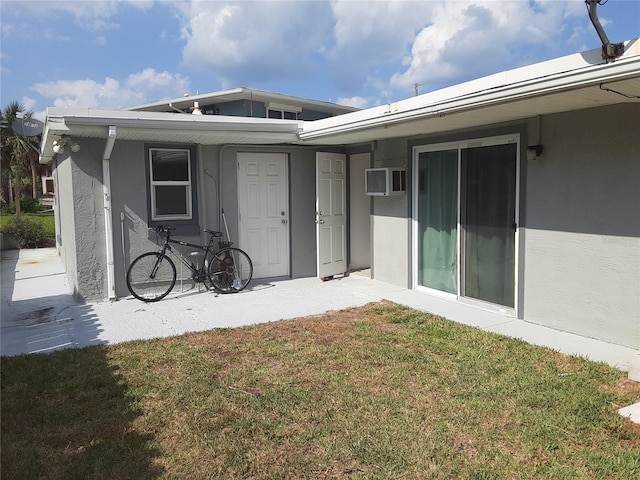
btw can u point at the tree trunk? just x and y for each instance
(34, 177)
(18, 193)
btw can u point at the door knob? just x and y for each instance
(283, 221)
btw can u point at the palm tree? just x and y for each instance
(19, 155)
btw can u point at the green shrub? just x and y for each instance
(27, 205)
(30, 205)
(27, 233)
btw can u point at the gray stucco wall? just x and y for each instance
(129, 196)
(131, 236)
(582, 261)
(81, 234)
(579, 235)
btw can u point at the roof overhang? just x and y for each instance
(164, 128)
(243, 93)
(565, 84)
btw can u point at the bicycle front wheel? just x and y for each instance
(230, 270)
(151, 277)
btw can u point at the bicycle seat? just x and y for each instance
(212, 232)
(161, 228)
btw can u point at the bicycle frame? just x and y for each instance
(208, 249)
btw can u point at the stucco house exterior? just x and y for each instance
(517, 192)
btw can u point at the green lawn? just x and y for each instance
(378, 392)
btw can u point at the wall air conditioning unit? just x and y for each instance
(385, 181)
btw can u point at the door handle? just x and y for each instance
(283, 221)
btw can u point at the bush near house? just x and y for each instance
(32, 230)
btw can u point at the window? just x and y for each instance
(170, 184)
(282, 112)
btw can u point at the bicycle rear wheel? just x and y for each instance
(230, 270)
(151, 277)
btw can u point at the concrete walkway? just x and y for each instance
(39, 313)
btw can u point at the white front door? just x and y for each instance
(331, 214)
(263, 208)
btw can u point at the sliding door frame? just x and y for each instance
(415, 268)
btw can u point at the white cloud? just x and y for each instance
(379, 34)
(245, 42)
(474, 38)
(28, 103)
(357, 102)
(142, 87)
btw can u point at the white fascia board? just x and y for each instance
(565, 73)
(173, 121)
(170, 121)
(62, 120)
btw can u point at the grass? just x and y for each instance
(377, 392)
(45, 219)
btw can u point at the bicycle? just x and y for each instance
(152, 275)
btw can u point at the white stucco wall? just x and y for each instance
(582, 256)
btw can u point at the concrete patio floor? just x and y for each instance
(39, 314)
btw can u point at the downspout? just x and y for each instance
(108, 221)
(202, 198)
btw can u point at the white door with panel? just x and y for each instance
(263, 209)
(331, 214)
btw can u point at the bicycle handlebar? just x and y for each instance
(161, 228)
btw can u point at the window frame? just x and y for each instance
(171, 183)
(186, 224)
(459, 146)
(283, 110)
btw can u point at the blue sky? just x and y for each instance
(114, 54)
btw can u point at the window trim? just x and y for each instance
(183, 225)
(168, 183)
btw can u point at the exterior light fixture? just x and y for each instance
(534, 151)
(196, 109)
(58, 145)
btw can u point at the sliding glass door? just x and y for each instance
(438, 220)
(465, 219)
(488, 223)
